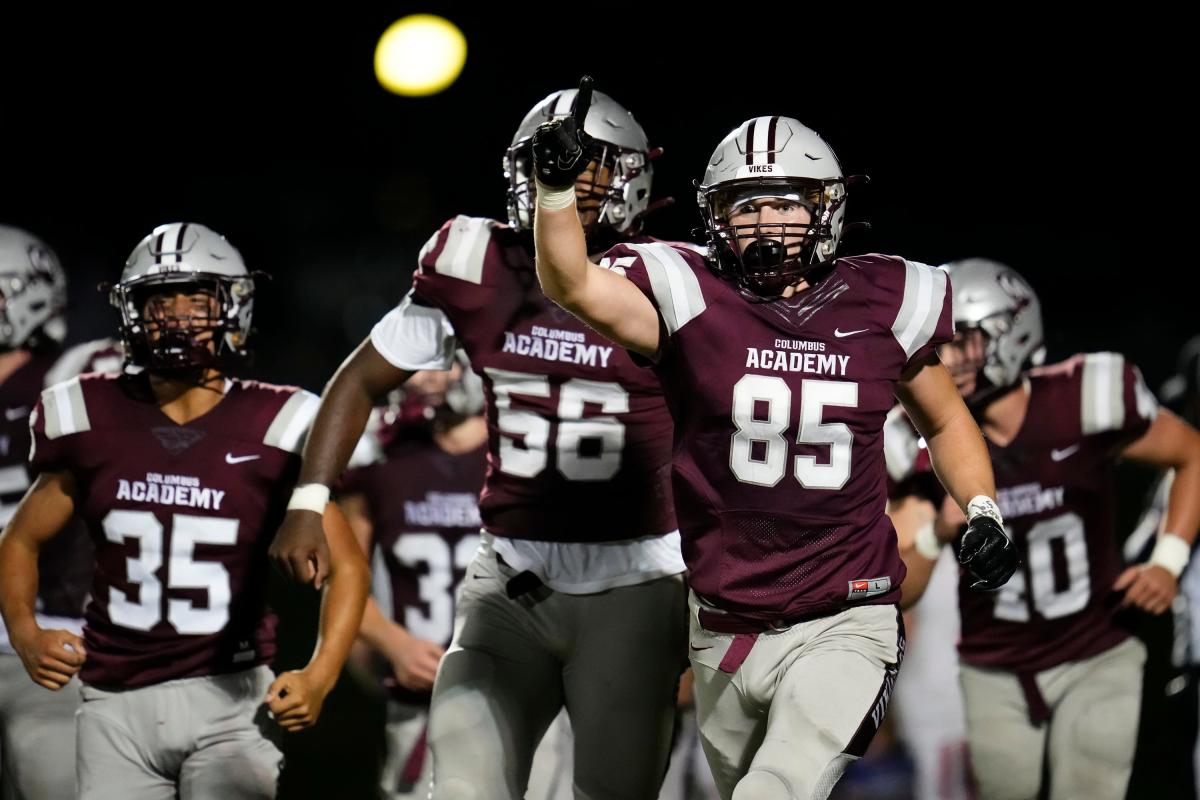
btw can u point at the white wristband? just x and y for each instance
(1171, 553)
(982, 505)
(309, 497)
(553, 199)
(927, 543)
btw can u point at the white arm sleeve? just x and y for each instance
(414, 337)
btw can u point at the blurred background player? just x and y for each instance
(576, 598)
(1051, 678)
(181, 474)
(415, 512)
(37, 727)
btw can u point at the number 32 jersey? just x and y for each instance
(181, 515)
(779, 408)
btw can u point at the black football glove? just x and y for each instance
(561, 148)
(987, 553)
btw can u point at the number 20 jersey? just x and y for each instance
(779, 408)
(181, 516)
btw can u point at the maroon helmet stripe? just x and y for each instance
(771, 140)
(179, 243)
(750, 142)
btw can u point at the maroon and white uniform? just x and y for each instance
(779, 408)
(65, 562)
(37, 727)
(424, 509)
(181, 517)
(780, 489)
(572, 422)
(575, 599)
(1056, 489)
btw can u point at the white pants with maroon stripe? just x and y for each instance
(191, 739)
(1090, 738)
(801, 706)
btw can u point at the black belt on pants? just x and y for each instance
(520, 584)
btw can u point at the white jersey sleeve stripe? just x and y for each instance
(924, 295)
(674, 284)
(466, 244)
(292, 422)
(65, 410)
(1103, 393)
(415, 337)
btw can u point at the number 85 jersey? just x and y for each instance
(779, 408)
(182, 516)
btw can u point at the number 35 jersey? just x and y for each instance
(779, 409)
(181, 516)
(579, 436)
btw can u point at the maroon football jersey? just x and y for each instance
(779, 408)
(579, 436)
(181, 517)
(65, 562)
(1056, 490)
(424, 509)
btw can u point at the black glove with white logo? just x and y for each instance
(561, 148)
(986, 550)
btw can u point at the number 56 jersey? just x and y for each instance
(779, 407)
(579, 437)
(181, 515)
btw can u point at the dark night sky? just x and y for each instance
(272, 130)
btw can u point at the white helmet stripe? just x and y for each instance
(562, 104)
(750, 141)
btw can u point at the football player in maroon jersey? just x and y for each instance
(37, 728)
(415, 512)
(796, 639)
(181, 474)
(1047, 664)
(576, 598)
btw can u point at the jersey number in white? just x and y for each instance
(436, 587)
(183, 572)
(1049, 600)
(532, 455)
(762, 408)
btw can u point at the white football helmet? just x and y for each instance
(993, 301)
(620, 144)
(33, 291)
(185, 257)
(771, 157)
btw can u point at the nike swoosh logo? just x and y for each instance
(698, 649)
(230, 458)
(16, 413)
(1066, 452)
(843, 334)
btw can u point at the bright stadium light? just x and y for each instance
(420, 55)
